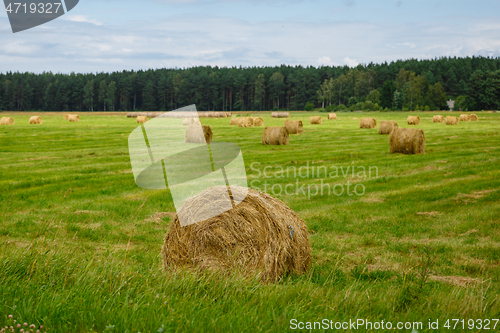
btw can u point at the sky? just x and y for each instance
(112, 35)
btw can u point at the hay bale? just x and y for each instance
(464, 117)
(141, 119)
(190, 121)
(413, 120)
(280, 114)
(66, 116)
(258, 121)
(229, 114)
(275, 136)
(386, 127)
(316, 120)
(438, 119)
(245, 122)
(407, 141)
(473, 117)
(234, 121)
(261, 235)
(332, 116)
(198, 134)
(36, 120)
(368, 123)
(294, 126)
(7, 121)
(73, 118)
(450, 120)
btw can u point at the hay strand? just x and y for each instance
(275, 136)
(407, 141)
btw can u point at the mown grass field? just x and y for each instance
(80, 242)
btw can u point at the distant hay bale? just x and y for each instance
(438, 119)
(258, 121)
(198, 134)
(190, 121)
(74, 118)
(245, 122)
(7, 121)
(277, 136)
(464, 117)
(473, 117)
(386, 127)
(234, 121)
(36, 120)
(450, 120)
(413, 120)
(407, 141)
(229, 114)
(368, 123)
(332, 116)
(141, 119)
(316, 120)
(259, 236)
(294, 126)
(66, 116)
(280, 114)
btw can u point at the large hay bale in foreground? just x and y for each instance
(332, 116)
(7, 121)
(386, 127)
(190, 121)
(258, 121)
(438, 119)
(316, 120)
(280, 115)
(450, 120)
(276, 136)
(407, 141)
(260, 236)
(142, 119)
(464, 117)
(245, 122)
(473, 117)
(198, 134)
(294, 126)
(413, 120)
(36, 120)
(73, 118)
(368, 123)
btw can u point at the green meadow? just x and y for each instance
(411, 238)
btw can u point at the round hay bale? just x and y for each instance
(473, 117)
(438, 119)
(141, 119)
(294, 126)
(275, 136)
(450, 120)
(66, 116)
(36, 120)
(368, 123)
(190, 121)
(386, 127)
(229, 114)
(407, 141)
(332, 116)
(413, 120)
(258, 121)
(198, 134)
(261, 235)
(464, 117)
(280, 114)
(7, 121)
(245, 122)
(234, 121)
(73, 118)
(316, 120)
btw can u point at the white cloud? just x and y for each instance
(350, 62)
(82, 18)
(410, 45)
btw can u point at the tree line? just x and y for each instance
(474, 82)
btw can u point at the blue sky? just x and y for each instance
(116, 35)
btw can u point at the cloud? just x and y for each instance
(410, 45)
(350, 62)
(82, 18)
(348, 3)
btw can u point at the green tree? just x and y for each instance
(88, 95)
(437, 96)
(103, 90)
(374, 96)
(260, 90)
(111, 96)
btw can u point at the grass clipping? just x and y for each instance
(413, 120)
(407, 141)
(316, 120)
(386, 127)
(275, 136)
(368, 123)
(294, 126)
(36, 120)
(7, 121)
(450, 120)
(259, 236)
(438, 119)
(198, 134)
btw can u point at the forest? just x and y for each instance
(473, 82)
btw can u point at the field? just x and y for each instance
(418, 240)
